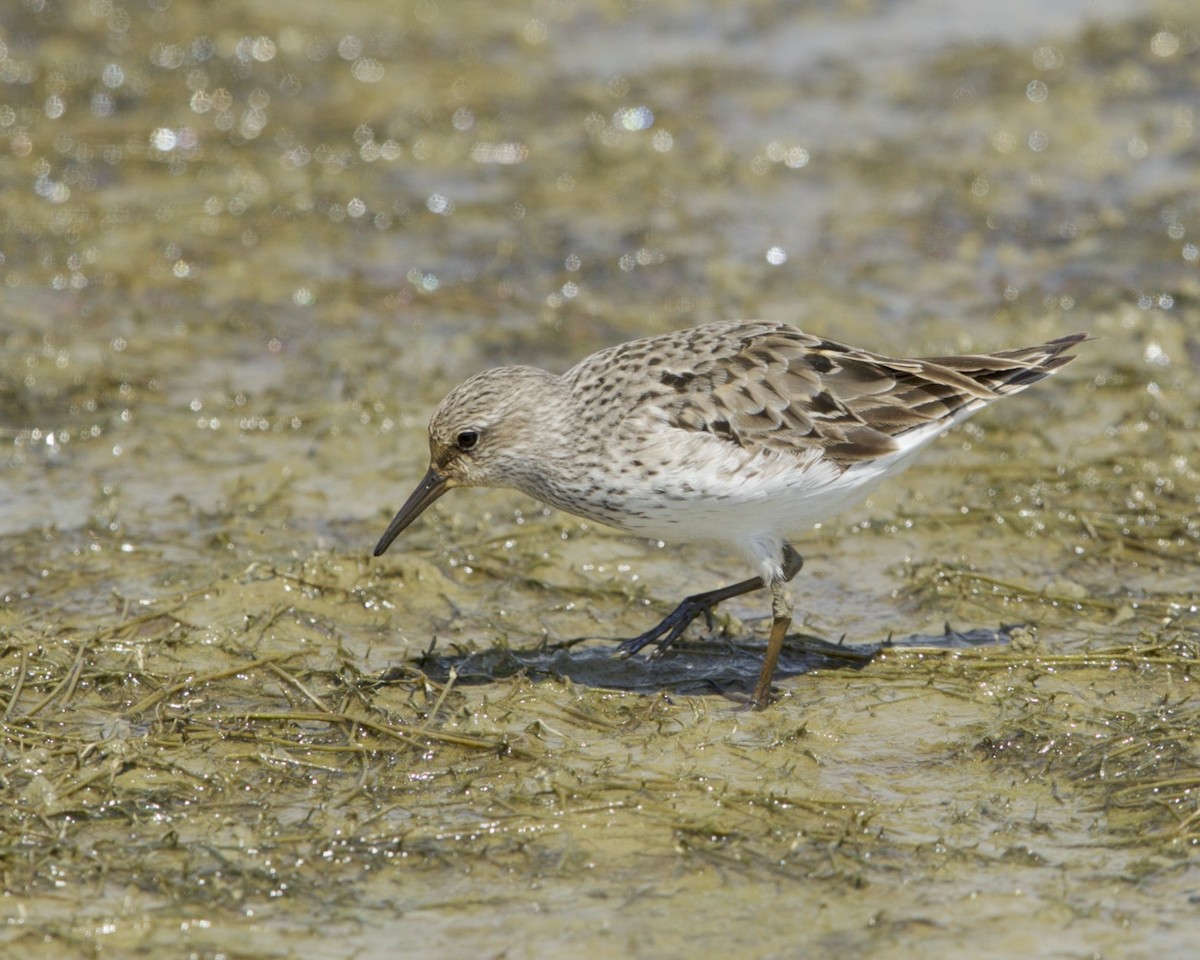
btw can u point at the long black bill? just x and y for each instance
(432, 486)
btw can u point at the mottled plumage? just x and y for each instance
(740, 433)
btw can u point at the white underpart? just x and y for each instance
(711, 490)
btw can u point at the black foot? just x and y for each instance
(670, 628)
(674, 623)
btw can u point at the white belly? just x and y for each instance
(715, 492)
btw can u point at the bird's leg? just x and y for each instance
(792, 562)
(671, 627)
(781, 619)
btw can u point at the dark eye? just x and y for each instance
(467, 439)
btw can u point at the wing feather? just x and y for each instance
(772, 387)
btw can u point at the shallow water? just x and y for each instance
(244, 253)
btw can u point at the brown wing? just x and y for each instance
(771, 386)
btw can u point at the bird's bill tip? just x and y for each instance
(432, 486)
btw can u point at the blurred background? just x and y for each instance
(245, 248)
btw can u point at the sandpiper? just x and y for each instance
(740, 433)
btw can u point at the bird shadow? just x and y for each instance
(700, 667)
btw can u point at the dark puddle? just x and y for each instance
(711, 666)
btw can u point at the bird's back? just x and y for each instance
(760, 426)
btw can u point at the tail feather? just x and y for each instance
(1009, 371)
